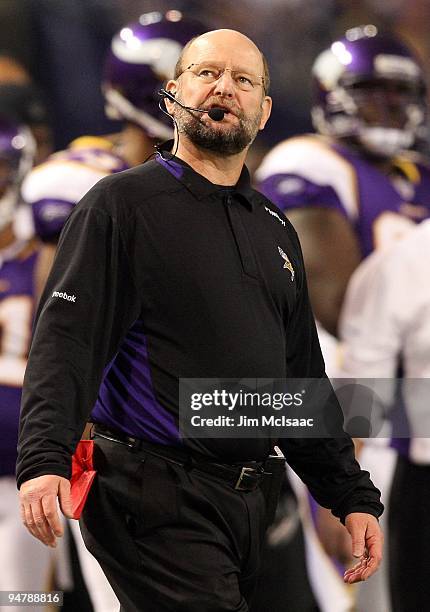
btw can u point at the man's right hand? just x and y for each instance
(39, 510)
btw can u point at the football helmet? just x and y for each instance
(370, 86)
(142, 57)
(17, 150)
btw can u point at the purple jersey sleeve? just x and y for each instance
(49, 216)
(292, 191)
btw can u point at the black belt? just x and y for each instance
(242, 477)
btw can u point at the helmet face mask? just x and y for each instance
(141, 59)
(370, 89)
(386, 103)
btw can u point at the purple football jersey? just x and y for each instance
(16, 316)
(310, 171)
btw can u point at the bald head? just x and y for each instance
(221, 45)
(228, 39)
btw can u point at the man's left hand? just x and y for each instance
(367, 540)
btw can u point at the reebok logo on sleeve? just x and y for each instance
(63, 294)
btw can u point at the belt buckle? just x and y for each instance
(244, 472)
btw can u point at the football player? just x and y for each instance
(354, 186)
(24, 564)
(142, 57)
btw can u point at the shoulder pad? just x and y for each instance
(312, 158)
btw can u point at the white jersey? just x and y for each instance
(386, 314)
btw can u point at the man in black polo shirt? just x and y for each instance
(179, 269)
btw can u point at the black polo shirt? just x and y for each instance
(162, 275)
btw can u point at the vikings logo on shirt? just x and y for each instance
(288, 265)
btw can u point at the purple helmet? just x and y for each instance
(142, 57)
(371, 87)
(17, 149)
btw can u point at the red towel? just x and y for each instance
(83, 475)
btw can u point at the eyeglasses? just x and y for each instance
(209, 73)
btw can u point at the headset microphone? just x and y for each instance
(216, 114)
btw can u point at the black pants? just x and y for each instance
(171, 539)
(283, 584)
(409, 537)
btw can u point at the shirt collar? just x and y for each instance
(200, 187)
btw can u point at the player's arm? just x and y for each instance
(331, 253)
(316, 188)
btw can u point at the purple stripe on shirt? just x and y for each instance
(126, 399)
(172, 166)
